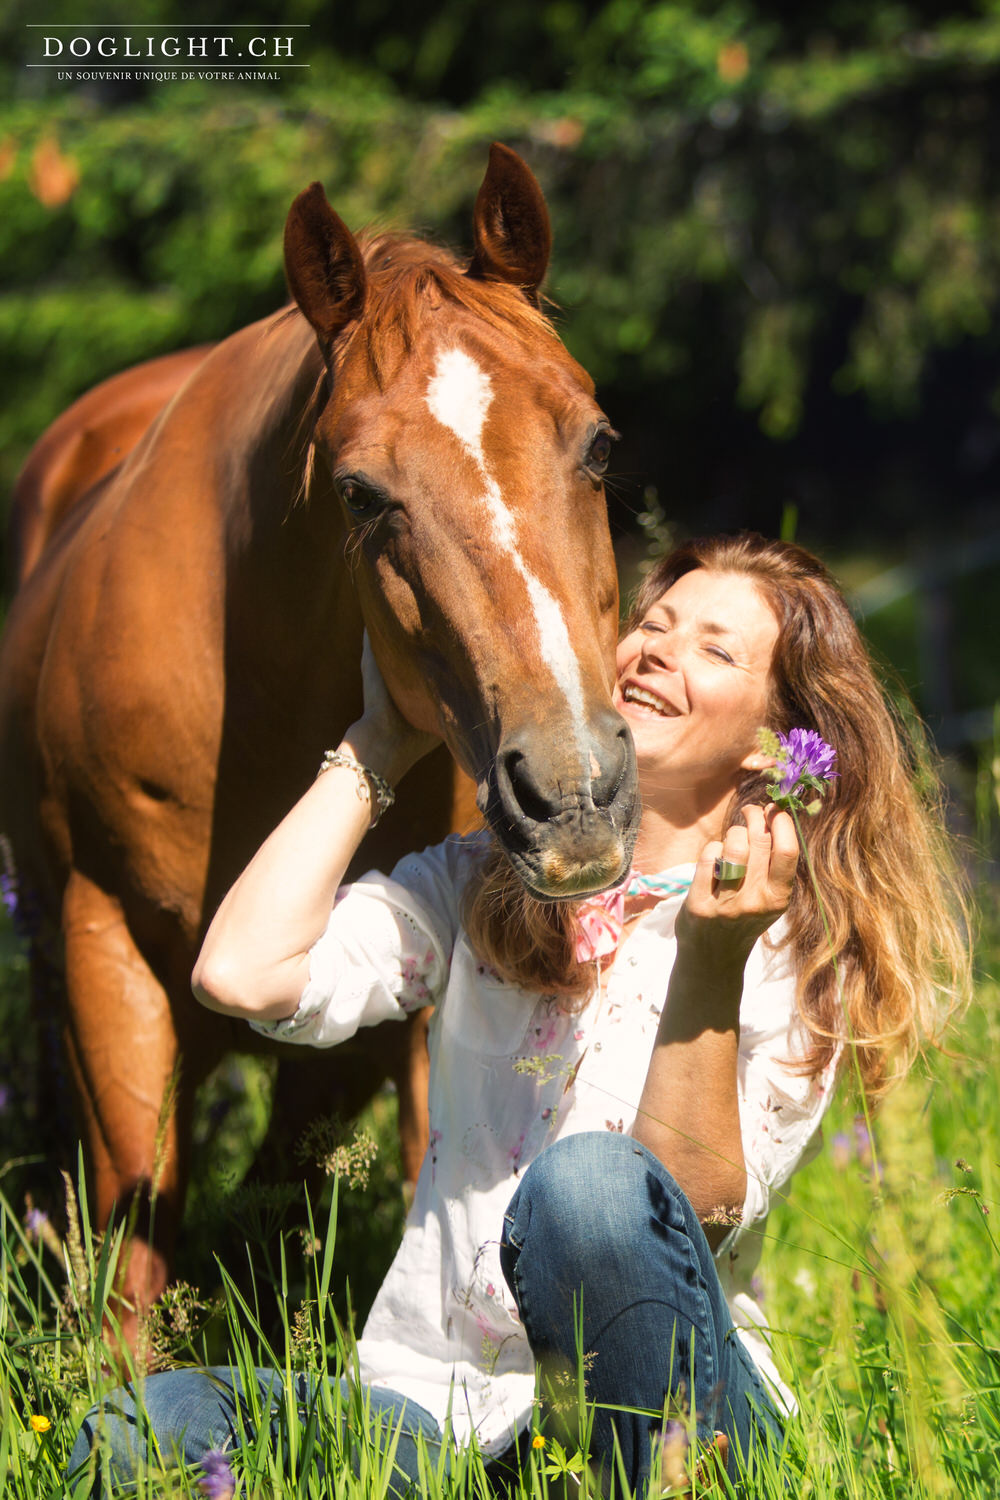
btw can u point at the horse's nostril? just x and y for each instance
(533, 789)
(525, 796)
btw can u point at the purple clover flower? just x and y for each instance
(217, 1481)
(804, 753)
(804, 767)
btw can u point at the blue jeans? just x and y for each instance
(607, 1260)
(604, 1256)
(181, 1415)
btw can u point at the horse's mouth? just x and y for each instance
(581, 851)
(566, 818)
(549, 876)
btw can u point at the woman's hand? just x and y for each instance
(722, 919)
(382, 738)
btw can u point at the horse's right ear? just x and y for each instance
(323, 264)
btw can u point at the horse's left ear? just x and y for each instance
(511, 230)
(323, 265)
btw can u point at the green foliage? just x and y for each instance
(754, 211)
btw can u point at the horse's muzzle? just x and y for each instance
(566, 815)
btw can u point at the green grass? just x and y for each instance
(878, 1278)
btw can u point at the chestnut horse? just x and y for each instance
(89, 440)
(408, 450)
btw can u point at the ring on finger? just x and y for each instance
(729, 871)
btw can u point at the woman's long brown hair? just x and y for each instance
(884, 961)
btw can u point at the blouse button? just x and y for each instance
(598, 1046)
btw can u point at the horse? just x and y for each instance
(90, 439)
(407, 449)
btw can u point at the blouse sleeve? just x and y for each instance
(780, 1109)
(386, 950)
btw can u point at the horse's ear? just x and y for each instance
(323, 265)
(511, 230)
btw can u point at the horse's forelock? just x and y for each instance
(407, 279)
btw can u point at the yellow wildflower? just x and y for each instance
(538, 1441)
(39, 1424)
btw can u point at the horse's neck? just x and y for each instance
(292, 617)
(263, 382)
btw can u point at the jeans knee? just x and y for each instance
(588, 1199)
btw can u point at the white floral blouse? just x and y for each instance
(510, 1072)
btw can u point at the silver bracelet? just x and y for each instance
(372, 788)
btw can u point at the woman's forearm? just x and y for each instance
(689, 1114)
(254, 962)
(689, 1110)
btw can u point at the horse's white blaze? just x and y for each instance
(458, 396)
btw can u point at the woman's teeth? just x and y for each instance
(648, 700)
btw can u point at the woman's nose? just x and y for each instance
(660, 650)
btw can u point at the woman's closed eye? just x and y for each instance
(720, 653)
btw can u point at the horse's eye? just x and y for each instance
(600, 451)
(360, 498)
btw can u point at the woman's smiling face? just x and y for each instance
(693, 682)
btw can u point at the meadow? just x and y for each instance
(878, 1277)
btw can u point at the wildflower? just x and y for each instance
(841, 1146)
(673, 1455)
(217, 1481)
(538, 1441)
(35, 1221)
(804, 763)
(8, 895)
(39, 1424)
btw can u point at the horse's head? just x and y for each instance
(466, 449)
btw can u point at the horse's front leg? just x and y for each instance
(409, 1065)
(123, 1053)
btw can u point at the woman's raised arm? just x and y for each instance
(689, 1110)
(254, 962)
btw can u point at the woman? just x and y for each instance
(619, 1085)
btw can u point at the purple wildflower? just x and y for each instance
(673, 1456)
(804, 753)
(803, 768)
(6, 1097)
(8, 895)
(35, 1221)
(217, 1481)
(841, 1146)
